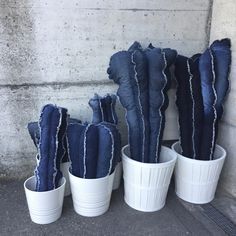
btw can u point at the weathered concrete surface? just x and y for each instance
(45, 41)
(223, 25)
(57, 51)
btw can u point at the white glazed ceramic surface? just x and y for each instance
(91, 197)
(146, 184)
(196, 180)
(44, 207)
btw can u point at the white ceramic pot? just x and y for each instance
(44, 207)
(91, 197)
(196, 180)
(146, 184)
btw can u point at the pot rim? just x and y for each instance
(126, 158)
(204, 162)
(63, 183)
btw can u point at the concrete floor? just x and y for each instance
(176, 218)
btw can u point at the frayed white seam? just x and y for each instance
(112, 114)
(193, 107)
(140, 105)
(63, 137)
(163, 100)
(39, 148)
(100, 105)
(85, 144)
(214, 104)
(112, 147)
(55, 158)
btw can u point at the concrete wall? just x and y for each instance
(223, 25)
(57, 51)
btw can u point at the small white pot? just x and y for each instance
(118, 175)
(146, 184)
(91, 197)
(196, 180)
(44, 207)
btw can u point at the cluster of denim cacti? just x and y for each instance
(143, 77)
(93, 149)
(202, 86)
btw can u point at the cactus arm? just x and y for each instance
(197, 111)
(95, 104)
(119, 72)
(207, 73)
(106, 152)
(90, 151)
(222, 60)
(75, 133)
(33, 130)
(159, 61)
(140, 88)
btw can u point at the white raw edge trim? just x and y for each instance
(113, 117)
(39, 154)
(64, 137)
(163, 100)
(140, 105)
(112, 147)
(100, 105)
(85, 144)
(214, 103)
(193, 107)
(55, 158)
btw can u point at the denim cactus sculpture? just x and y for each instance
(190, 104)
(93, 149)
(214, 66)
(159, 61)
(129, 70)
(52, 130)
(103, 109)
(143, 79)
(33, 128)
(202, 86)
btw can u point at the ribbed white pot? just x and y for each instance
(44, 207)
(196, 180)
(91, 197)
(146, 184)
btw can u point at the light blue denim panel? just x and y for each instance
(158, 67)
(124, 70)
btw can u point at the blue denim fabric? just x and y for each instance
(190, 104)
(33, 128)
(214, 67)
(95, 104)
(94, 149)
(75, 133)
(103, 109)
(159, 61)
(83, 149)
(47, 172)
(206, 67)
(107, 156)
(222, 60)
(129, 70)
